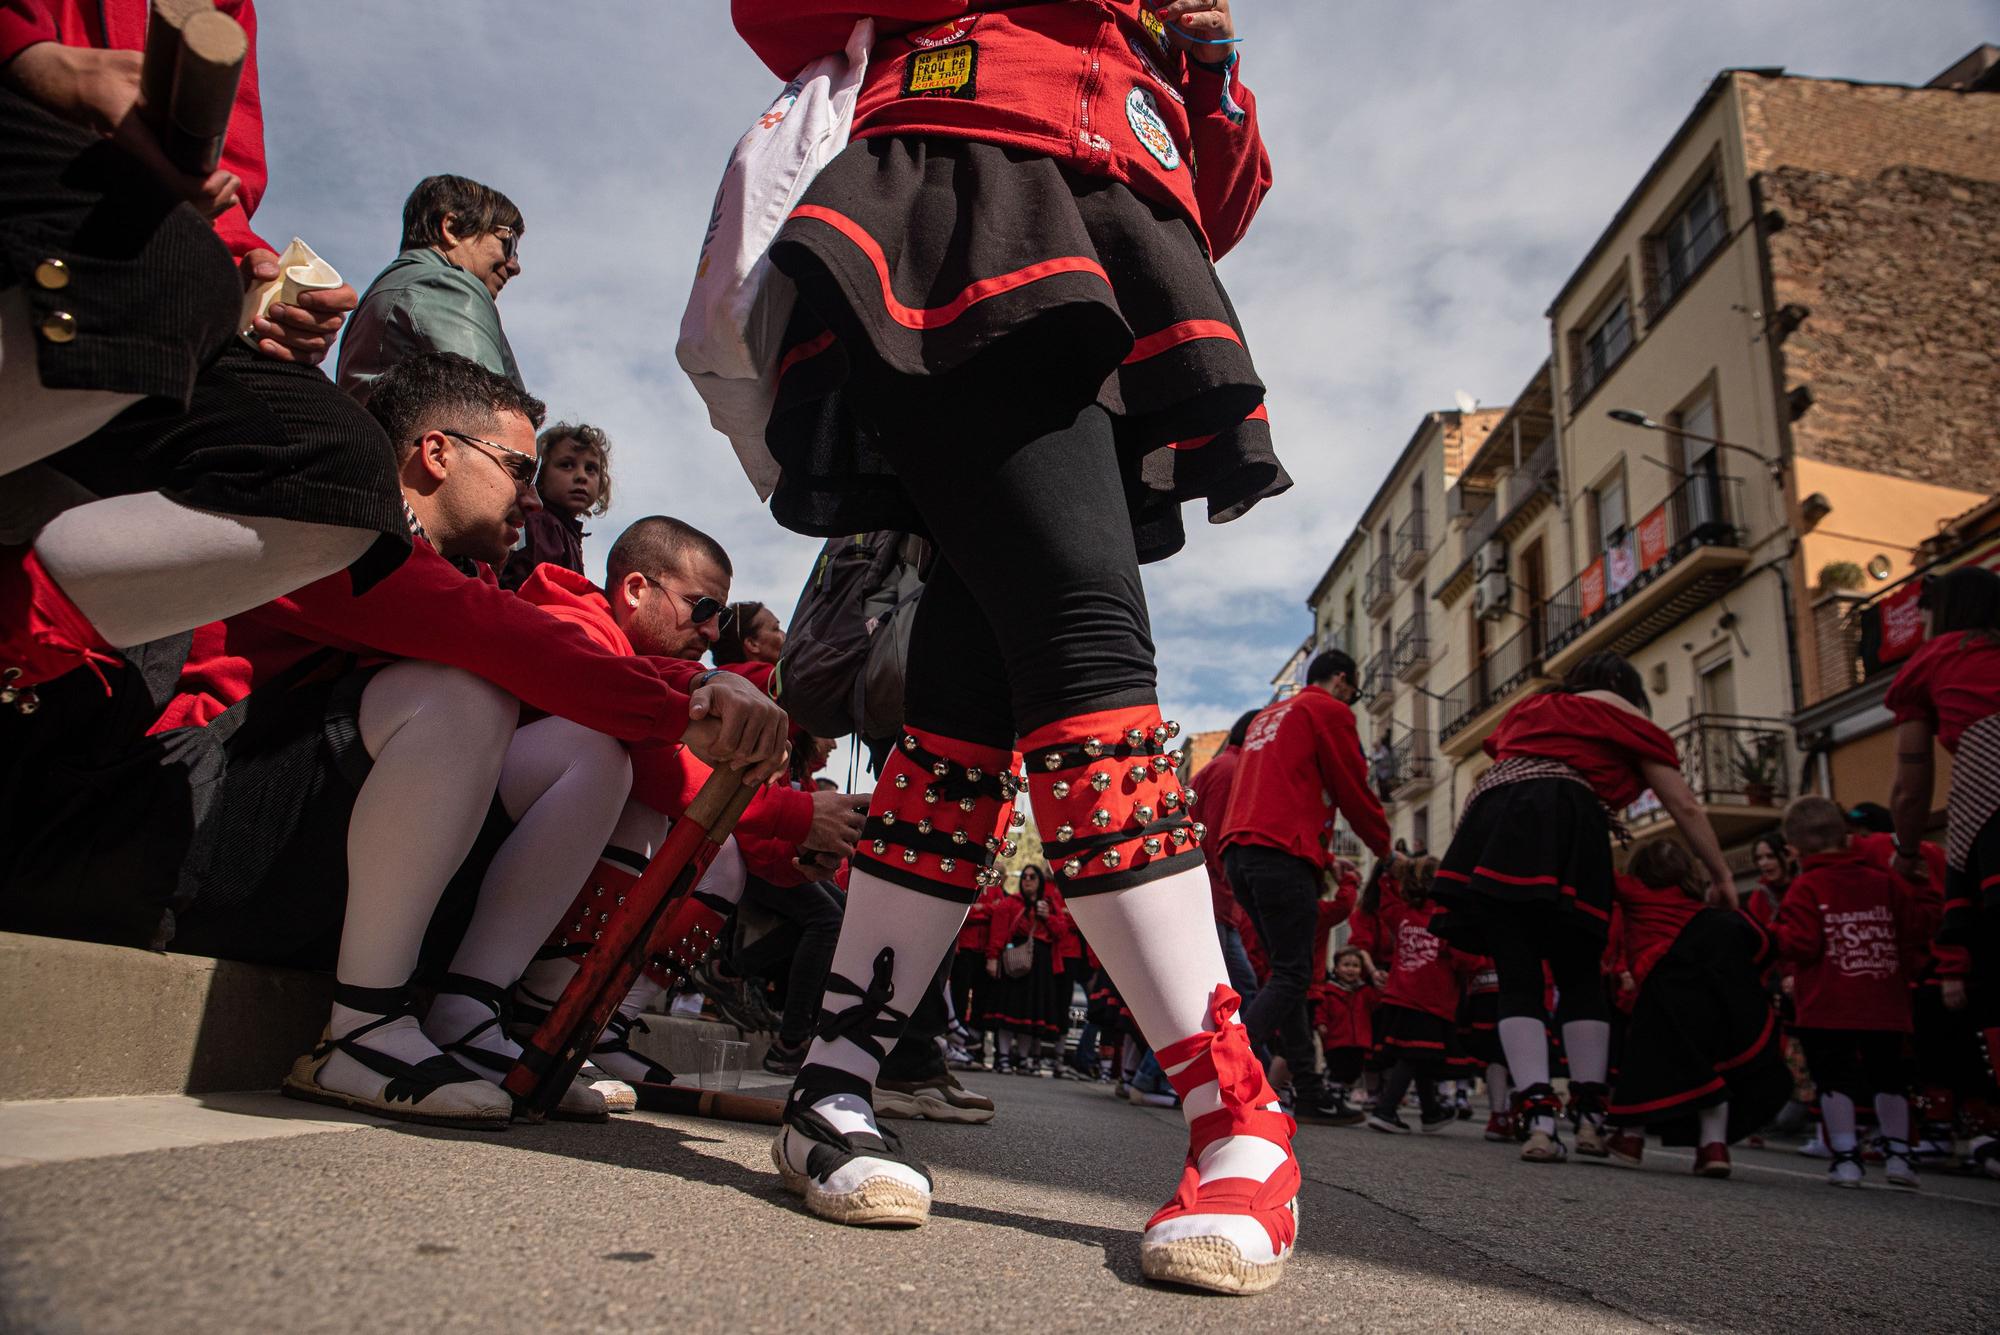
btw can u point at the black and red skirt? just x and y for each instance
(1536, 852)
(980, 296)
(1703, 1031)
(1478, 1037)
(1403, 1033)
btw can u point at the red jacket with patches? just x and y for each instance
(1089, 83)
(1345, 1017)
(1600, 741)
(1301, 763)
(120, 25)
(430, 610)
(1211, 787)
(1853, 930)
(1424, 972)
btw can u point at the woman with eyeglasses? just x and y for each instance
(461, 246)
(1010, 337)
(1949, 693)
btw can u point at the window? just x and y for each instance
(1695, 232)
(1608, 516)
(1420, 830)
(1607, 340)
(1694, 425)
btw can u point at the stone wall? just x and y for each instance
(1901, 271)
(1864, 129)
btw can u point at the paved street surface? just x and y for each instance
(650, 1223)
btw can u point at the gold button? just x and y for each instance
(59, 327)
(52, 274)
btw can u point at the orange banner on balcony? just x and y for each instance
(1653, 538)
(1590, 589)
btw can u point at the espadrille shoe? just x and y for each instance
(436, 1091)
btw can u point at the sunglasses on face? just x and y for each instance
(521, 467)
(699, 609)
(510, 241)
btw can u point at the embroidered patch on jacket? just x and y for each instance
(1154, 27)
(1153, 68)
(1143, 114)
(951, 71)
(945, 34)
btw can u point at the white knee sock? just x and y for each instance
(1837, 1111)
(1003, 1042)
(1893, 1112)
(564, 786)
(919, 928)
(1525, 1040)
(1498, 1092)
(1157, 941)
(438, 736)
(41, 421)
(1587, 1044)
(142, 567)
(1713, 1125)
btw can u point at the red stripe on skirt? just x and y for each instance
(1258, 414)
(1755, 1048)
(1187, 331)
(1621, 1109)
(936, 317)
(805, 351)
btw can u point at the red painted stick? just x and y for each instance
(551, 1059)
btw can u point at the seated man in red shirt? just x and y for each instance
(667, 601)
(1301, 764)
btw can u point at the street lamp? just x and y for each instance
(1638, 419)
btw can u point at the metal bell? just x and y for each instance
(1163, 763)
(909, 743)
(966, 804)
(930, 794)
(1137, 774)
(1065, 832)
(909, 855)
(888, 818)
(947, 865)
(1016, 820)
(1180, 838)
(1100, 781)
(1160, 734)
(1061, 789)
(1008, 848)
(1052, 761)
(942, 768)
(1111, 858)
(993, 844)
(1173, 729)
(1135, 737)
(880, 846)
(958, 836)
(1143, 814)
(1200, 832)
(1100, 818)
(1152, 845)
(924, 826)
(1072, 869)
(1171, 799)
(1092, 747)
(974, 776)
(902, 781)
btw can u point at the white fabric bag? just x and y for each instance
(736, 314)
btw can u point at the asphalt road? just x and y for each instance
(654, 1223)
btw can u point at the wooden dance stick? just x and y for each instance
(720, 1105)
(551, 1059)
(188, 79)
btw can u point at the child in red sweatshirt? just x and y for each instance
(1346, 1026)
(1853, 930)
(1415, 1021)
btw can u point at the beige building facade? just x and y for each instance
(1772, 373)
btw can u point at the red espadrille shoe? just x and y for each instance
(1228, 1234)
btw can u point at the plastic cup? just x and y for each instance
(722, 1062)
(314, 276)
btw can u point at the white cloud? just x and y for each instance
(1441, 167)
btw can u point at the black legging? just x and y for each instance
(815, 908)
(1518, 955)
(1034, 611)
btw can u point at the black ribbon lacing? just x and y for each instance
(871, 1020)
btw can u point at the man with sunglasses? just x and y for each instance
(340, 755)
(461, 246)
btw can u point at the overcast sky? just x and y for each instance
(1441, 166)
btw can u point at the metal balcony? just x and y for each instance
(1378, 586)
(1413, 648)
(1473, 707)
(1412, 548)
(1739, 769)
(1378, 684)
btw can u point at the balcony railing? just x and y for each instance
(1379, 586)
(1378, 683)
(1700, 512)
(1534, 473)
(1498, 676)
(1408, 763)
(1413, 647)
(1412, 548)
(1729, 760)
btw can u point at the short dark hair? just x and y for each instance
(661, 542)
(431, 391)
(728, 646)
(1328, 664)
(1606, 671)
(1664, 864)
(1241, 728)
(1872, 817)
(474, 208)
(1815, 824)
(587, 437)
(1967, 598)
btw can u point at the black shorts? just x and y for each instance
(977, 296)
(1859, 1063)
